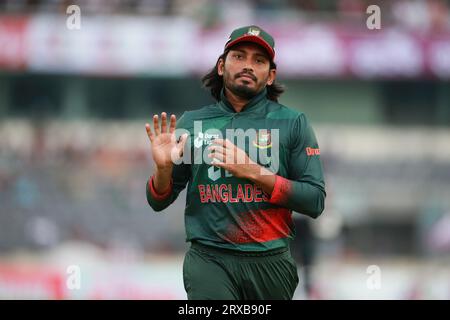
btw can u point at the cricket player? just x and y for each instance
(248, 162)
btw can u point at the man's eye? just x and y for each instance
(238, 56)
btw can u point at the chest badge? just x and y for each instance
(263, 140)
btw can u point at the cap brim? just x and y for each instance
(254, 39)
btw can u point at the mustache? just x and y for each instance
(245, 73)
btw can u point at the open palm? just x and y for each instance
(165, 148)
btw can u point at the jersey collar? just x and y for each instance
(250, 106)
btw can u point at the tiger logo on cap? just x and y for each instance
(253, 31)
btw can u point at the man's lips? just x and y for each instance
(246, 76)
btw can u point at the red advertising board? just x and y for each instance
(13, 43)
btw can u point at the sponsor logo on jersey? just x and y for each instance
(312, 151)
(204, 139)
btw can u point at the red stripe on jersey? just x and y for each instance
(261, 226)
(281, 191)
(159, 196)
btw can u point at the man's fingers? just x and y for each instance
(219, 153)
(173, 122)
(228, 144)
(156, 125)
(217, 156)
(216, 148)
(241, 157)
(183, 139)
(217, 163)
(224, 143)
(163, 122)
(149, 132)
(219, 142)
(230, 156)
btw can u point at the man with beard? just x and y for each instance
(238, 215)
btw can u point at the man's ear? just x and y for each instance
(220, 66)
(272, 76)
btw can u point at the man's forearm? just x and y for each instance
(263, 177)
(303, 197)
(161, 180)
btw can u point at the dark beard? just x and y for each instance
(243, 91)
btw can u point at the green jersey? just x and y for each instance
(235, 213)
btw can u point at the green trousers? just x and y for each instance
(211, 273)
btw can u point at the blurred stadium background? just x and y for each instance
(74, 156)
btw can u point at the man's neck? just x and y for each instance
(237, 102)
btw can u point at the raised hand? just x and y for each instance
(165, 148)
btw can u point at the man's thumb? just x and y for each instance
(176, 153)
(181, 143)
